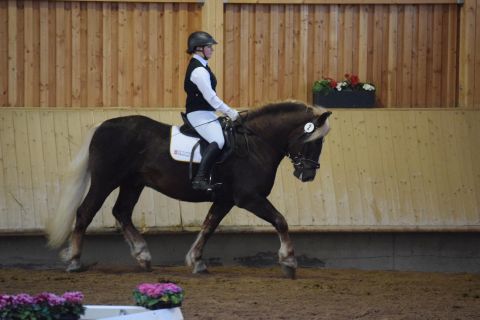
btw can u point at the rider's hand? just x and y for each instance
(232, 114)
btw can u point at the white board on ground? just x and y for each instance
(97, 312)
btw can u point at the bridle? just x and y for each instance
(299, 160)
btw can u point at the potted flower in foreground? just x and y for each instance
(45, 306)
(348, 93)
(158, 295)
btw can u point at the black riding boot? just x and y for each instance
(200, 182)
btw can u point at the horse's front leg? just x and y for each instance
(215, 215)
(263, 209)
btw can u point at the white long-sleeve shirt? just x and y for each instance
(201, 78)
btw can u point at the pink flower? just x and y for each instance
(158, 289)
(22, 298)
(49, 298)
(5, 300)
(73, 297)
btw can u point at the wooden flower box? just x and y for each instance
(345, 99)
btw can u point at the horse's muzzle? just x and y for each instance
(305, 176)
(305, 169)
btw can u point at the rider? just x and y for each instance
(202, 103)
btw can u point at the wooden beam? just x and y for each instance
(135, 1)
(344, 2)
(212, 22)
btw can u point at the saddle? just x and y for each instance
(227, 127)
(198, 144)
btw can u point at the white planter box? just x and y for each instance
(94, 312)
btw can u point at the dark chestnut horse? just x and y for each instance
(133, 152)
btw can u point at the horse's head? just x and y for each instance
(306, 145)
(293, 129)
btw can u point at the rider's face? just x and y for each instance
(207, 51)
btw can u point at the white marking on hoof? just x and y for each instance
(290, 262)
(75, 266)
(144, 260)
(200, 267)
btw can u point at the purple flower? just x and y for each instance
(22, 298)
(50, 299)
(73, 297)
(158, 289)
(5, 300)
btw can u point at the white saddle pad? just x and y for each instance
(181, 146)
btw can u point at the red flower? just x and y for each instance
(332, 83)
(354, 80)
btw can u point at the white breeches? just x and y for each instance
(207, 126)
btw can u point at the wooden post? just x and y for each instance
(212, 22)
(467, 55)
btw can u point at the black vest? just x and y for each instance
(195, 100)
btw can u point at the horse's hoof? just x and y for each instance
(200, 267)
(76, 266)
(289, 272)
(146, 266)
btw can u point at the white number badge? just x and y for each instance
(309, 127)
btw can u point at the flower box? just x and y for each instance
(348, 93)
(345, 99)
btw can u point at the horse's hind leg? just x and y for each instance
(85, 213)
(122, 210)
(215, 215)
(263, 209)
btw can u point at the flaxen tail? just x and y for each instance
(75, 182)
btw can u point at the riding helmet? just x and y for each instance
(199, 39)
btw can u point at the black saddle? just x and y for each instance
(227, 127)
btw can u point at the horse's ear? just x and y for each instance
(323, 117)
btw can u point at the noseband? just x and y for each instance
(300, 162)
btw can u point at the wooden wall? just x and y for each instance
(381, 169)
(395, 169)
(95, 54)
(408, 50)
(128, 53)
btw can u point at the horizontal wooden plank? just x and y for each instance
(136, 1)
(393, 2)
(285, 1)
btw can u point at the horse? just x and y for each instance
(132, 152)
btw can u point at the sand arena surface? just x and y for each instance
(262, 293)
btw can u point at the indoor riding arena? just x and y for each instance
(388, 229)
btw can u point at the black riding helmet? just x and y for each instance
(199, 39)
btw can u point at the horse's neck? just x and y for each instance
(276, 130)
